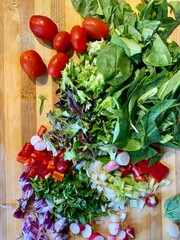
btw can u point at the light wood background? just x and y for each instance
(19, 112)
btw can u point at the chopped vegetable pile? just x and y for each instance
(119, 103)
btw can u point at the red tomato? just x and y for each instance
(78, 39)
(43, 27)
(57, 64)
(95, 28)
(32, 63)
(61, 41)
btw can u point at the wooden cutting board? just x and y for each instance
(20, 118)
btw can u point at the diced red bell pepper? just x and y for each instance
(27, 150)
(125, 170)
(32, 172)
(60, 155)
(41, 130)
(143, 165)
(158, 171)
(137, 173)
(58, 176)
(46, 160)
(63, 166)
(22, 159)
(50, 168)
(39, 155)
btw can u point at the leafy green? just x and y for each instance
(73, 197)
(158, 55)
(42, 99)
(110, 64)
(172, 208)
(176, 8)
(124, 92)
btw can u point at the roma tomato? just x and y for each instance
(43, 27)
(32, 63)
(61, 41)
(57, 64)
(95, 28)
(78, 39)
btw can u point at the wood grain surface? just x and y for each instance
(20, 118)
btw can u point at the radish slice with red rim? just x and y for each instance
(40, 146)
(35, 139)
(113, 228)
(122, 235)
(96, 236)
(86, 233)
(76, 228)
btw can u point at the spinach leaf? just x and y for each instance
(175, 5)
(86, 8)
(172, 208)
(109, 64)
(130, 46)
(158, 54)
(149, 121)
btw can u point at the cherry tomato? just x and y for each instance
(95, 28)
(43, 27)
(78, 39)
(61, 41)
(32, 63)
(57, 64)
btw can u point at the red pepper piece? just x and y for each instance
(60, 155)
(137, 173)
(58, 176)
(32, 172)
(143, 165)
(22, 159)
(39, 155)
(50, 168)
(125, 170)
(41, 130)
(27, 150)
(158, 171)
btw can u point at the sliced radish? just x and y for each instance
(123, 216)
(35, 139)
(111, 166)
(96, 236)
(123, 158)
(122, 235)
(86, 233)
(113, 228)
(40, 146)
(114, 218)
(111, 237)
(173, 230)
(151, 200)
(130, 231)
(76, 228)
